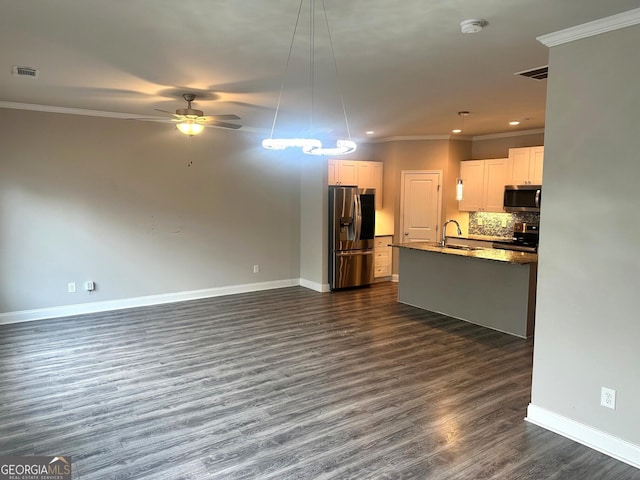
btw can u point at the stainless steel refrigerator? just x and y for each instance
(351, 236)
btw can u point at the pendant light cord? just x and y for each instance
(312, 60)
(311, 146)
(335, 65)
(286, 69)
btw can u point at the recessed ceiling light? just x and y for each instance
(457, 130)
(369, 132)
(514, 123)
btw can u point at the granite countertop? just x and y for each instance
(484, 238)
(497, 255)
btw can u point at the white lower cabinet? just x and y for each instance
(382, 252)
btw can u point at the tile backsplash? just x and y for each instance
(498, 224)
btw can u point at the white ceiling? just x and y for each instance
(404, 67)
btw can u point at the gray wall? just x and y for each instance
(314, 247)
(587, 325)
(138, 208)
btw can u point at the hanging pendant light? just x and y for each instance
(310, 146)
(462, 114)
(459, 189)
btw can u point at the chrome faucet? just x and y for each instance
(444, 231)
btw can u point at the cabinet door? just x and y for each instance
(364, 170)
(535, 165)
(383, 257)
(347, 172)
(376, 182)
(472, 174)
(519, 159)
(332, 172)
(360, 173)
(496, 175)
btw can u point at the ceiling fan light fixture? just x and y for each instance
(191, 121)
(190, 127)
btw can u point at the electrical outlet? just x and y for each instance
(480, 222)
(504, 222)
(608, 398)
(256, 268)
(90, 286)
(71, 287)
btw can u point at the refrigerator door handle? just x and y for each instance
(358, 215)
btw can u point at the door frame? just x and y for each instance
(403, 174)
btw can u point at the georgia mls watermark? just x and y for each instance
(35, 468)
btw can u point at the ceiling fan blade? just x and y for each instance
(165, 111)
(225, 125)
(230, 116)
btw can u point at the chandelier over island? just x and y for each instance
(310, 146)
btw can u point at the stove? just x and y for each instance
(524, 239)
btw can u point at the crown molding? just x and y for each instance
(75, 111)
(590, 29)
(402, 138)
(103, 114)
(518, 133)
(466, 138)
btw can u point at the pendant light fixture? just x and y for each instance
(463, 114)
(459, 189)
(310, 145)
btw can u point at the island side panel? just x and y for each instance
(488, 293)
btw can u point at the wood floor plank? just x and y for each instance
(281, 384)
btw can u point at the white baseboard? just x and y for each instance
(95, 307)
(598, 440)
(318, 287)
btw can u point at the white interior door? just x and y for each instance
(420, 205)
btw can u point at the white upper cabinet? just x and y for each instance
(361, 173)
(345, 172)
(496, 172)
(483, 182)
(472, 175)
(535, 165)
(526, 165)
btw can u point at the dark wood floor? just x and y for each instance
(282, 384)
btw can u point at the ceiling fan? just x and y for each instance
(192, 121)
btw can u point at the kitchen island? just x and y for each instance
(489, 287)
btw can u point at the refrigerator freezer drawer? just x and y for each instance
(352, 269)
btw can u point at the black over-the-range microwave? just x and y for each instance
(522, 198)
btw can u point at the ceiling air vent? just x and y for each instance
(25, 71)
(539, 73)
